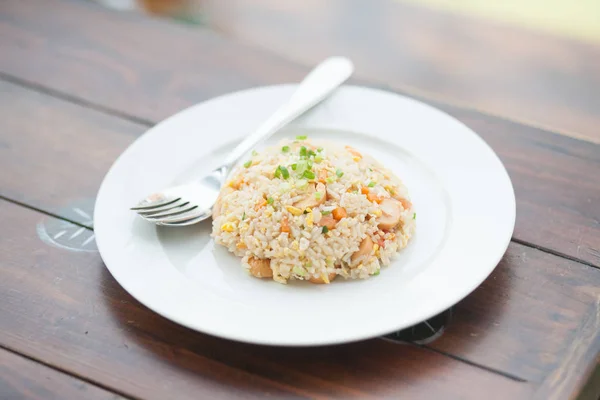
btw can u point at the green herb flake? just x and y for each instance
(301, 167)
(244, 216)
(309, 164)
(318, 195)
(285, 149)
(325, 229)
(294, 166)
(277, 173)
(284, 172)
(371, 184)
(324, 212)
(254, 153)
(308, 174)
(377, 272)
(320, 149)
(247, 164)
(303, 152)
(301, 137)
(330, 179)
(270, 200)
(339, 173)
(414, 215)
(311, 153)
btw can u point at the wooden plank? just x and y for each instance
(63, 307)
(21, 378)
(474, 61)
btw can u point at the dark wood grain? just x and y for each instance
(555, 178)
(64, 307)
(502, 68)
(21, 378)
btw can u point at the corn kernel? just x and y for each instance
(377, 213)
(227, 227)
(309, 220)
(356, 159)
(294, 210)
(325, 278)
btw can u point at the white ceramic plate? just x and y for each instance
(462, 194)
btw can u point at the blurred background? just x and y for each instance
(533, 61)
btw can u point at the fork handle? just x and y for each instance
(315, 87)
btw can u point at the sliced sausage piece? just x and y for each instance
(390, 214)
(216, 211)
(310, 199)
(327, 221)
(364, 249)
(260, 267)
(320, 280)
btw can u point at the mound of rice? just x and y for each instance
(313, 211)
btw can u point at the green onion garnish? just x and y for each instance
(324, 212)
(318, 159)
(244, 216)
(294, 166)
(301, 137)
(285, 149)
(371, 184)
(318, 195)
(303, 151)
(330, 179)
(301, 167)
(325, 229)
(247, 164)
(270, 200)
(377, 272)
(308, 174)
(282, 171)
(254, 153)
(414, 215)
(320, 149)
(309, 164)
(311, 153)
(339, 173)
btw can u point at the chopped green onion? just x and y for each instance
(339, 173)
(254, 153)
(320, 149)
(303, 151)
(301, 167)
(308, 174)
(301, 137)
(284, 172)
(331, 179)
(298, 270)
(301, 183)
(309, 164)
(294, 166)
(325, 212)
(318, 195)
(414, 215)
(270, 200)
(377, 272)
(311, 153)
(277, 173)
(244, 216)
(325, 229)
(371, 184)
(285, 149)
(247, 164)
(318, 159)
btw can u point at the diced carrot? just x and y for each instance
(372, 197)
(354, 152)
(327, 221)
(285, 226)
(339, 213)
(261, 203)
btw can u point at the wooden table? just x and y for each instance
(79, 83)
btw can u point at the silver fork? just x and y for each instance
(191, 203)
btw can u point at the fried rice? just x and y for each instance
(313, 210)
